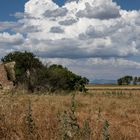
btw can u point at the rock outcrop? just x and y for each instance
(7, 75)
(10, 69)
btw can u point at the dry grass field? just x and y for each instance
(131, 89)
(97, 116)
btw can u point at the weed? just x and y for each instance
(106, 130)
(99, 114)
(69, 125)
(86, 132)
(30, 123)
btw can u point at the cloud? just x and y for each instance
(102, 30)
(6, 38)
(103, 11)
(98, 68)
(19, 15)
(79, 31)
(56, 29)
(10, 42)
(67, 22)
(7, 25)
(59, 12)
(72, 1)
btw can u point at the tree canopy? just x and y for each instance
(31, 72)
(126, 80)
(25, 62)
(61, 78)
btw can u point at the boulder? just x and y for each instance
(10, 69)
(7, 75)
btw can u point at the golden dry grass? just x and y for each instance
(130, 89)
(121, 111)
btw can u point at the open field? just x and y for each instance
(50, 117)
(134, 89)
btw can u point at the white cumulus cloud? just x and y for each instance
(78, 32)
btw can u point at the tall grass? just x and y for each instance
(58, 117)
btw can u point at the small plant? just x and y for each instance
(86, 130)
(64, 128)
(130, 95)
(30, 122)
(106, 135)
(99, 114)
(69, 126)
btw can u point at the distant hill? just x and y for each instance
(103, 81)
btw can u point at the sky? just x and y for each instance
(99, 39)
(8, 7)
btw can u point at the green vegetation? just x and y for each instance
(126, 80)
(33, 75)
(27, 66)
(59, 77)
(136, 80)
(105, 130)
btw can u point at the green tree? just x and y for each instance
(138, 80)
(26, 66)
(59, 77)
(31, 73)
(119, 81)
(135, 80)
(126, 80)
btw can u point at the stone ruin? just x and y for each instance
(7, 75)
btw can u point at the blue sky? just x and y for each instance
(9, 7)
(129, 4)
(93, 38)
